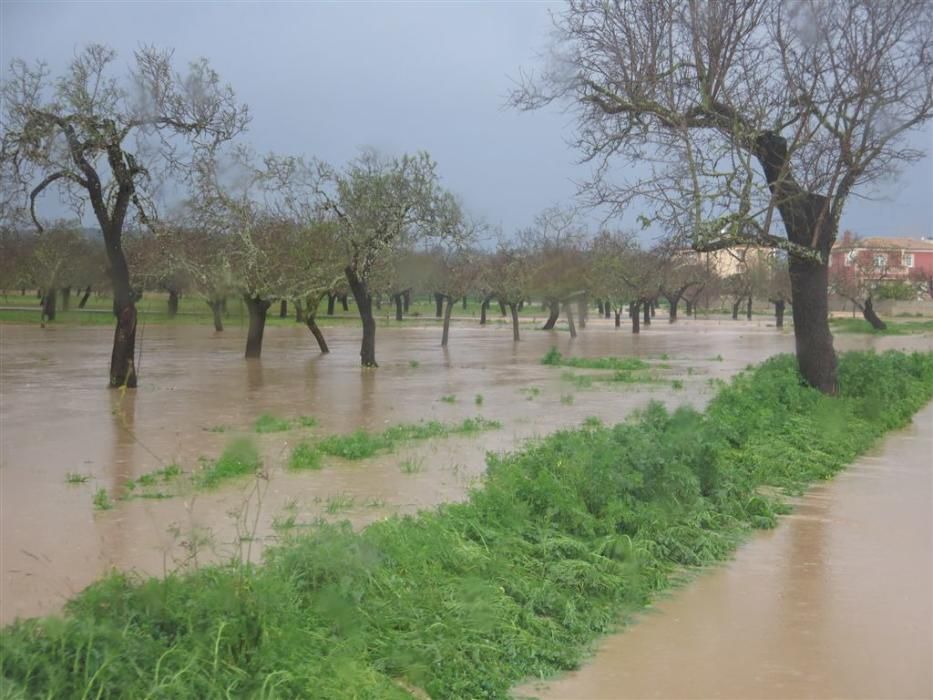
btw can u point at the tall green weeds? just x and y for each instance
(563, 537)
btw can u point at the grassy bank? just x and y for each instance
(860, 325)
(563, 538)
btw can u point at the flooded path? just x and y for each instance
(836, 602)
(58, 417)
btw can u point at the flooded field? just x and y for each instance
(58, 417)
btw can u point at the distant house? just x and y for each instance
(883, 258)
(729, 261)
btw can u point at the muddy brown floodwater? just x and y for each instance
(58, 417)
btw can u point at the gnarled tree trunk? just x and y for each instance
(316, 332)
(748, 309)
(283, 308)
(399, 305)
(646, 307)
(618, 318)
(634, 309)
(809, 224)
(868, 312)
(66, 298)
(85, 297)
(553, 315)
(438, 305)
(331, 299)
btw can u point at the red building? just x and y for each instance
(890, 259)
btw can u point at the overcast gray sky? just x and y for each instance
(323, 79)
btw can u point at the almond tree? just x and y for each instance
(812, 100)
(109, 142)
(382, 206)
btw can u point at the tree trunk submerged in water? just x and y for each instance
(618, 318)
(316, 332)
(438, 305)
(448, 310)
(217, 306)
(122, 359)
(514, 309)
(634, 309)
(66, 298)
(748, 309)
(257, 324)
(364, 304)
(779, 313)
(568, 312)
(646, 307)
(399, 306)
(172, 303)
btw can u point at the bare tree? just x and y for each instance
(812, 98)
(109, 142)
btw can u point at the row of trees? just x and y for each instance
(750, 111)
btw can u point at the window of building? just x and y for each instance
(881, 261)
(907, 259)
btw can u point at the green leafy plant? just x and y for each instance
(239, 459)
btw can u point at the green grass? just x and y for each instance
(74, 478)
(239, 459)
(563, 538)
(566, 399)
(304, 457)
(554, 358)
(362, 444)
(531, 392)
(414, 364)
(677, 384)
(478, 399)
(860, 325)
(449, 398)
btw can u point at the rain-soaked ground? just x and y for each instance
(831, 576)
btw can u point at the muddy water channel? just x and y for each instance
(836, 602)
(197, 393)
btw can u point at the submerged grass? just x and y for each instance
(554, 358)
(239, 459)
(267, 423)
(361, 444)
(304, 457)
(463, 602)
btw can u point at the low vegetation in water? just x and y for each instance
(554, 358)
(102, 500)
(586, 381)
(75, 478)
(240, 458)
(267, 423)
(563, 538)
(361, 444)
(304, 457)
(449, 398)
(150, 484)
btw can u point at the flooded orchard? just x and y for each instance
(811, 584)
